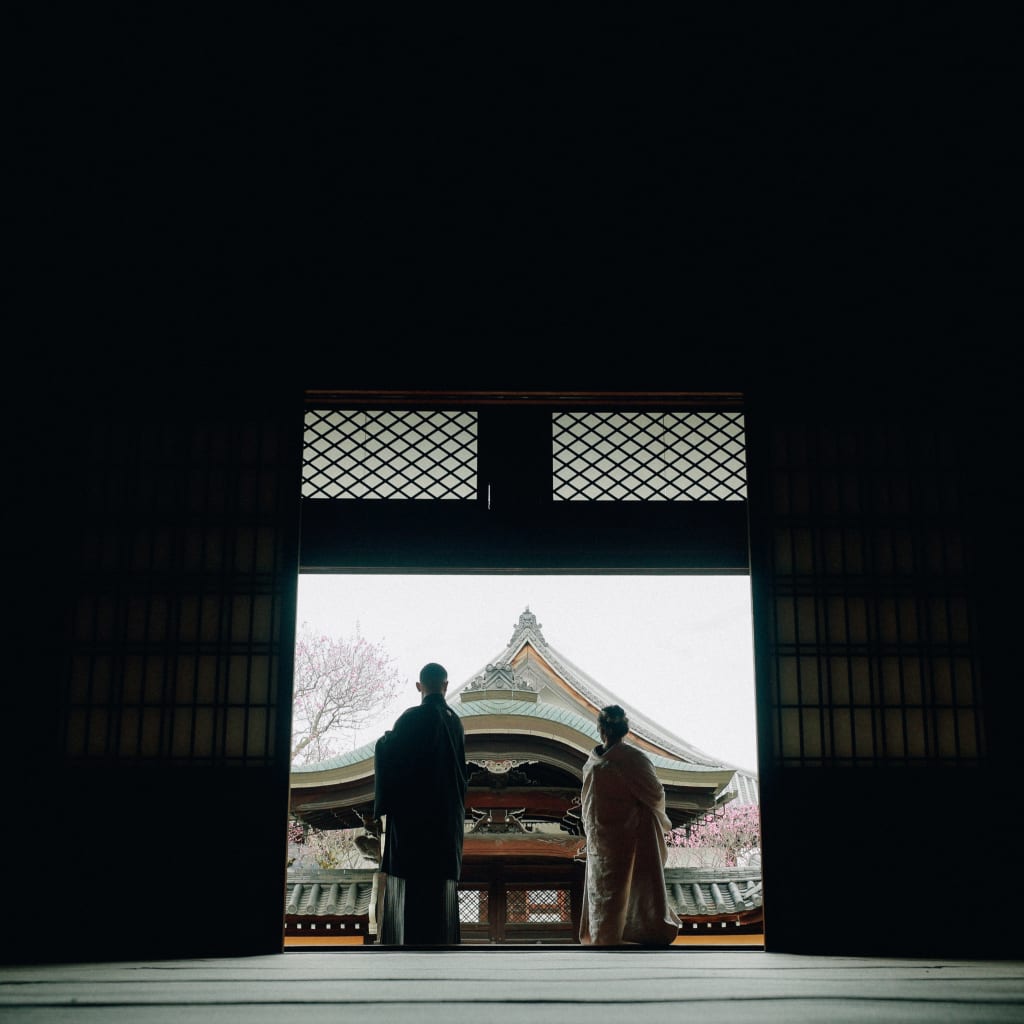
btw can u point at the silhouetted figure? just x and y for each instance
(420, 785)
(625, 823)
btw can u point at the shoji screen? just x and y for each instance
(185, 564)
(861, 574)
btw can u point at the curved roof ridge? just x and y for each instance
(638, 721)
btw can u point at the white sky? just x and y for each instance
(677, 648)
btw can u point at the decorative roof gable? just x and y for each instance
(506, 672)
(524, 671)
(528, 629)
(503, 676)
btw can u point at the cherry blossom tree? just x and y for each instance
(730, 835)
(341, 684)
(310, 847)
(334, 848)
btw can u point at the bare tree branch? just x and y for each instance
(340, 684)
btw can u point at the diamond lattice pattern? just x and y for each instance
(473, 906)
(382, 454)
(539, 906)
(643, 456)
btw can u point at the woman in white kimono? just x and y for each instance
(625, 822)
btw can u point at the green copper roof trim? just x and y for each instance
(350, 757)
(518, 709)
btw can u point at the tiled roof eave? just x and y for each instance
(326, 893)
(695, 894)
(537, 720)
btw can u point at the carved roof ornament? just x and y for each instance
(498, 820)
(499, 767)
(528, 628)
(500, 677)
(499, 774)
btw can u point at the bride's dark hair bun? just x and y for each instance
(613, 721)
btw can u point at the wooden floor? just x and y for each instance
(500, 985)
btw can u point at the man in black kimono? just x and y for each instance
(420, 780)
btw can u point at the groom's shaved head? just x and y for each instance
(433, 677)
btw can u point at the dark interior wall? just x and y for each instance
(896, 842)
(158, 569)
(602, 210)
(902, 866)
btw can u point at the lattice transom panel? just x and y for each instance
(649, 456)
(390, 454)
(538, 906)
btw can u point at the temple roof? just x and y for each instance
(503, 682)
(527, 631)
(531, 705)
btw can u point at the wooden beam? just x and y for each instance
(519, 844)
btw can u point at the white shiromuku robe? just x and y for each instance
(625, 822)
